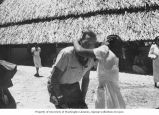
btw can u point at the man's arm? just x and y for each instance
(82, 51)
(56, 95)
(85, 83)
(55, 84)
(57, 72)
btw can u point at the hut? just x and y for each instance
(54, 23)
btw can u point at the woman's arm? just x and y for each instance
(82, 51)
(151, 53)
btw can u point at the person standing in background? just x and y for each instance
(154, 55)
(36, 50)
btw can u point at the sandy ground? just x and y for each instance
(31, 92)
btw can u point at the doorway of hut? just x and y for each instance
(136, 58)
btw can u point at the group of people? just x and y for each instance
(69, 80)
(75, 62)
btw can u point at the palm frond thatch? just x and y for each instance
(131, 26)
(19, 10)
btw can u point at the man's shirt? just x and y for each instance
(67, 62)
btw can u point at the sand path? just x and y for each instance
(31, 92)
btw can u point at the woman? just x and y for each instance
(153, 54)
(36, 58)
(107, 71)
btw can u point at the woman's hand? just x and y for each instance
(154, 57)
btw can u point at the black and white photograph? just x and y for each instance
(79, 54)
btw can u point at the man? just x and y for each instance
(67, 71)
(108, 55)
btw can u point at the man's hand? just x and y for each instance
(61, 102)
(54, 100)
(58, 101)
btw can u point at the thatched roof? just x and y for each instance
(19, 10)
(28, 21)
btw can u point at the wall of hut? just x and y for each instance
(21, 54)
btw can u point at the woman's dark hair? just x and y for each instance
(111, 39)
(115, 44)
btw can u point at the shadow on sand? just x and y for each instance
(38, 75)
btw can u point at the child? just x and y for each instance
(36, 58)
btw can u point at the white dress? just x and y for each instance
(36, 57)
(154, 52)
(108, 92)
